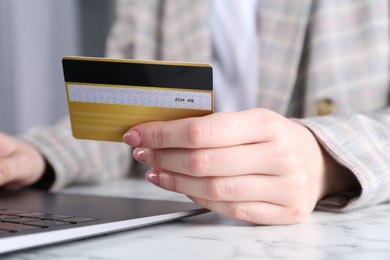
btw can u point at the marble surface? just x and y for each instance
(360, 234)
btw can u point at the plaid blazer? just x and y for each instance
(323, 62)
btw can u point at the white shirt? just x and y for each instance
(235, 37)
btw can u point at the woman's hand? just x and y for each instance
(21, 164)
(253, 165)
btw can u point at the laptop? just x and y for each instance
(32, 218)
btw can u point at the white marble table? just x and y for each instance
(361, 234)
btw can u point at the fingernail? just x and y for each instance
(133, 138)
(153, 176)
(139, 154)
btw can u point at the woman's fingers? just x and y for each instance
(257, 212)
(15, 172)
(263, 158)
(234, 188)
(216, 130)
(265, 200)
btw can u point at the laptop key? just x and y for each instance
(76, 220)
(29, 214)
(6, 216)
(53, 216)
(48, 223)
(12, 212)
(12, 227)
(18, 220)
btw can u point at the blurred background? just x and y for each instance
(34, 36)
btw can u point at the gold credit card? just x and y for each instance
(106, 97)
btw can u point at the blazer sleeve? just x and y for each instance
(78, 161)
(360, 142)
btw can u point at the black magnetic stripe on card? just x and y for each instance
(138, 74)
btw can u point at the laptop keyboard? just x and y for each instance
(14, 221)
